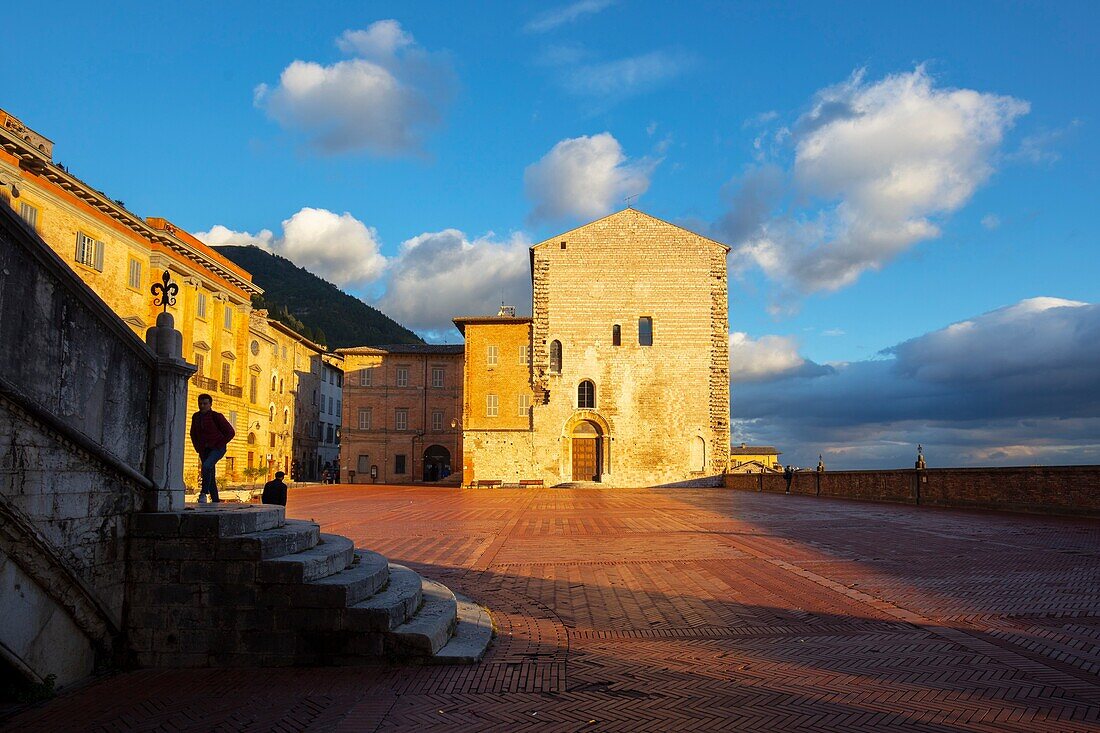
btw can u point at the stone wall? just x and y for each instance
(75, 388)
(1070, 490)
(655, 400)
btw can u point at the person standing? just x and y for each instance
(210, 434)
(788, 474)
(275, 491)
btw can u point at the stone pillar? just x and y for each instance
(168, 417)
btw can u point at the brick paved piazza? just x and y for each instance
(683, 609)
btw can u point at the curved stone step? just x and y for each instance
(472, 635)
(369, 571)
(294, 536)
(430, 628)
(201, 521)
(331, 555)
(391, 607)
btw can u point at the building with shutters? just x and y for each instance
(401, 413)
(621, 375)
(245, 362)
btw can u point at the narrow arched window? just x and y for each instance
(271, 413)
(273, 378)
(555, 356)
(586, 395)
(616, 335)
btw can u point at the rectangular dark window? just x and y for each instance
(399, 464)
(616, 335)
(645, 331)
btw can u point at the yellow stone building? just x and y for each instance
(754, 459)
(621, 375)
(497, 395)
(245, 361)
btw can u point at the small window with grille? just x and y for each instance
(586, 395)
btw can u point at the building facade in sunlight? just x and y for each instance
(754, 459)
(621, 375)
(245, 361)
(401, 413)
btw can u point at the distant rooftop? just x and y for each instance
(405, 349)
(462, 321)
(753, 450)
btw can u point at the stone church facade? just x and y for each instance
(621, 375)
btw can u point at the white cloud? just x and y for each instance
(382, 100)
(381, 40)
(441, 275)
(768, 358)
(760, 120)
(219, 235)
(337, 247)
(991, 221)
(584, 178)
(555, 17)
(1014, 385)
(1042, 148)
(611, 81)
(875, 164)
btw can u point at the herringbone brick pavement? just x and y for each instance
(630, 610)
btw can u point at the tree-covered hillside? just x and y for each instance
(313, 307)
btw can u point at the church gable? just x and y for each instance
(622, 227)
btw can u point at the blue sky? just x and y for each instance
(882, 170)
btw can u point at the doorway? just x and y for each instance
(437, 463)
(587, 454)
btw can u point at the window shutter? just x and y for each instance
(79, 246)
(99, 256)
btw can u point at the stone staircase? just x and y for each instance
(228, 586)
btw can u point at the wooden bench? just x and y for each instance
(488, 484)
(531, 483)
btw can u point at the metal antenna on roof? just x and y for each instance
(630, 200)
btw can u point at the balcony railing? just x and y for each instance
(231, 389)
(204, 382)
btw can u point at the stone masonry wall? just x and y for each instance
(655, 400)
(65, 355)
(1071, 490)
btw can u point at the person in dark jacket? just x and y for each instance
(275, 491)
(210, 434)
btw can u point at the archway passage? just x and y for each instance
(437, 463)
(587, 455)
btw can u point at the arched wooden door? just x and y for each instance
(586, 452)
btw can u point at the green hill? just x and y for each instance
(313, 307)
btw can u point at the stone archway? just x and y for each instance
(586, 454)
(586, 444)
(437, 462)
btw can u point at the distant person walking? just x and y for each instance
(275, 491)
(788, 474)
(210, 434)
